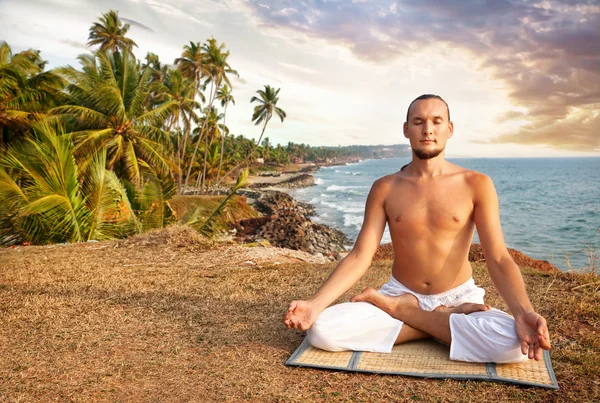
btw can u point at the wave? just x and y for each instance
(333, 188)
(353, 209)
(319, 181)
(353, 220)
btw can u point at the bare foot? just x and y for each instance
(467, 307)
(394, 306)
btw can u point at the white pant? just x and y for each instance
(485, 336)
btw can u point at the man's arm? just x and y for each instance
(302, 314)
(531, 327)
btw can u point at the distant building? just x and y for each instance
(260, 160)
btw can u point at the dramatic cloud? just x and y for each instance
(547, 53)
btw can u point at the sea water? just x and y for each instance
(549, 207)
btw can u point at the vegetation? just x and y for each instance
(112, 140)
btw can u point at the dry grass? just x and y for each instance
(165, 318)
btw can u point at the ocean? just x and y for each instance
(549, 207)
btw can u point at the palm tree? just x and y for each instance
(107, 105)
(55, 200)
(224, 95)
(263, 112)
(180, 90)
(193, 64)
(110, 33)
(26, 91)
(211, 129)
(218, 69)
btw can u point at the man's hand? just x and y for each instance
(533, 333)
(300, 315)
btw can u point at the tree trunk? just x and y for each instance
(198, 143)
(205, 161)
(222, 142)
(206, 138)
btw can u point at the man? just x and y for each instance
(432, 208)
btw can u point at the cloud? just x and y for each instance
(510, 115)
(73, 43)
(547, 53)
(295, 67)
(136, 24)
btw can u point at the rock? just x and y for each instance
(287, 224)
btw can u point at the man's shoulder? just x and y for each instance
(476, 179)
(472, 177)
(386, 180)
(481, 186)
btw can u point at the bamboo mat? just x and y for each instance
(427, 359)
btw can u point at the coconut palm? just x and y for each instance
(53, 199)
(263, 112)
(179, 90)
(26, 91)
(217, 70)
(110, 33)
(224, 95)
(106, 102)
(211, 129)
(193, 64)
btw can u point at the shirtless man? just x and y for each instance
(432, 208)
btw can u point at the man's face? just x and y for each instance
(428, 128)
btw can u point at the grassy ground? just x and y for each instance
(165, 318)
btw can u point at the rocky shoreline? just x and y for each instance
(286, 223)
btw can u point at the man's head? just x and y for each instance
(428, 126)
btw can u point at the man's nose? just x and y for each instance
(427, 127)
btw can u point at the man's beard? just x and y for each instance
(425, 155)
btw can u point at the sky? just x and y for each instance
(522, 78)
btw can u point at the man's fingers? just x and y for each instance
(539, 352)
(534, 351)
(544, 342)
(524, 347)
(292, 306)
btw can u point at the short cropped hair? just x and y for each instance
(428, 96)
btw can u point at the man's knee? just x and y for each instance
(488, 336)
(321, 335)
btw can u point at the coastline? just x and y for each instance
(384, 252)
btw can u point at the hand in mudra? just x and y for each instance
(300, 315)
(533, 333)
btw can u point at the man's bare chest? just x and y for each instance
(413, 210)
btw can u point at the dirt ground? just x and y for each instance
(171, 317)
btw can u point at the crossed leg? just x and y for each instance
(418, 324)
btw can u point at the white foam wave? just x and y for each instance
(339, 187)
(319, 181)
(351, 208)
(353, 220)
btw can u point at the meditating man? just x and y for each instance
(432, 208)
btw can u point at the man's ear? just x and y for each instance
(405, 129)
(450, 129)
